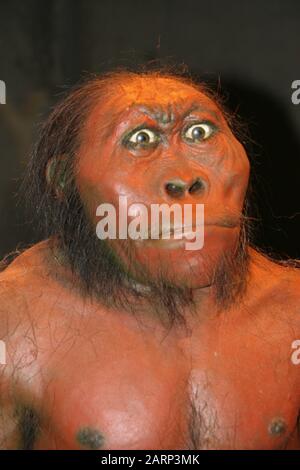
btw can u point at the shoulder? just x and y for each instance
(18, 285)
(274, 288)
(32, 303)
(22, 282)
(30, 262)
(37, 288)
(273, 300)
(269, 275)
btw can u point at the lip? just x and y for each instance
(186, 230)
(188, 234)
(224, 222)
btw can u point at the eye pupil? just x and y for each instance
(142, 138)
(198, 133)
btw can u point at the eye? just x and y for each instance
(199, 132)
(143, 138)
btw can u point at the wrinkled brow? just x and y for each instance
(165, 116)
(172, 113)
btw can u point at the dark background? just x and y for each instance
(250, 49)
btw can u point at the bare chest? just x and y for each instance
(115, 387)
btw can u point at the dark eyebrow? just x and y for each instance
(202, 109)
(165, 116)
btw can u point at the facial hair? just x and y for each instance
(100, 274)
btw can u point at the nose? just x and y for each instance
(177, 188)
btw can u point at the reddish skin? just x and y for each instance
(82, 365)
(141, 174)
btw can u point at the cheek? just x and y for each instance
(240, 169)
(97, 174)
(231, 171)
(238, 157)
(110, 187)
(104, 179)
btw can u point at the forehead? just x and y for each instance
(160, 92)
(152, 87)
(131, 99)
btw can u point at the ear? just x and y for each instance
(56, 174)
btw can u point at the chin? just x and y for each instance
(170, 261)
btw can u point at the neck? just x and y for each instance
(169, 304)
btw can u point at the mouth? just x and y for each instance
(178, 232)
(171, 231)
(225, 222)
(170, 236)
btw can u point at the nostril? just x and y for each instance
(197, 187)
(175, 188)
